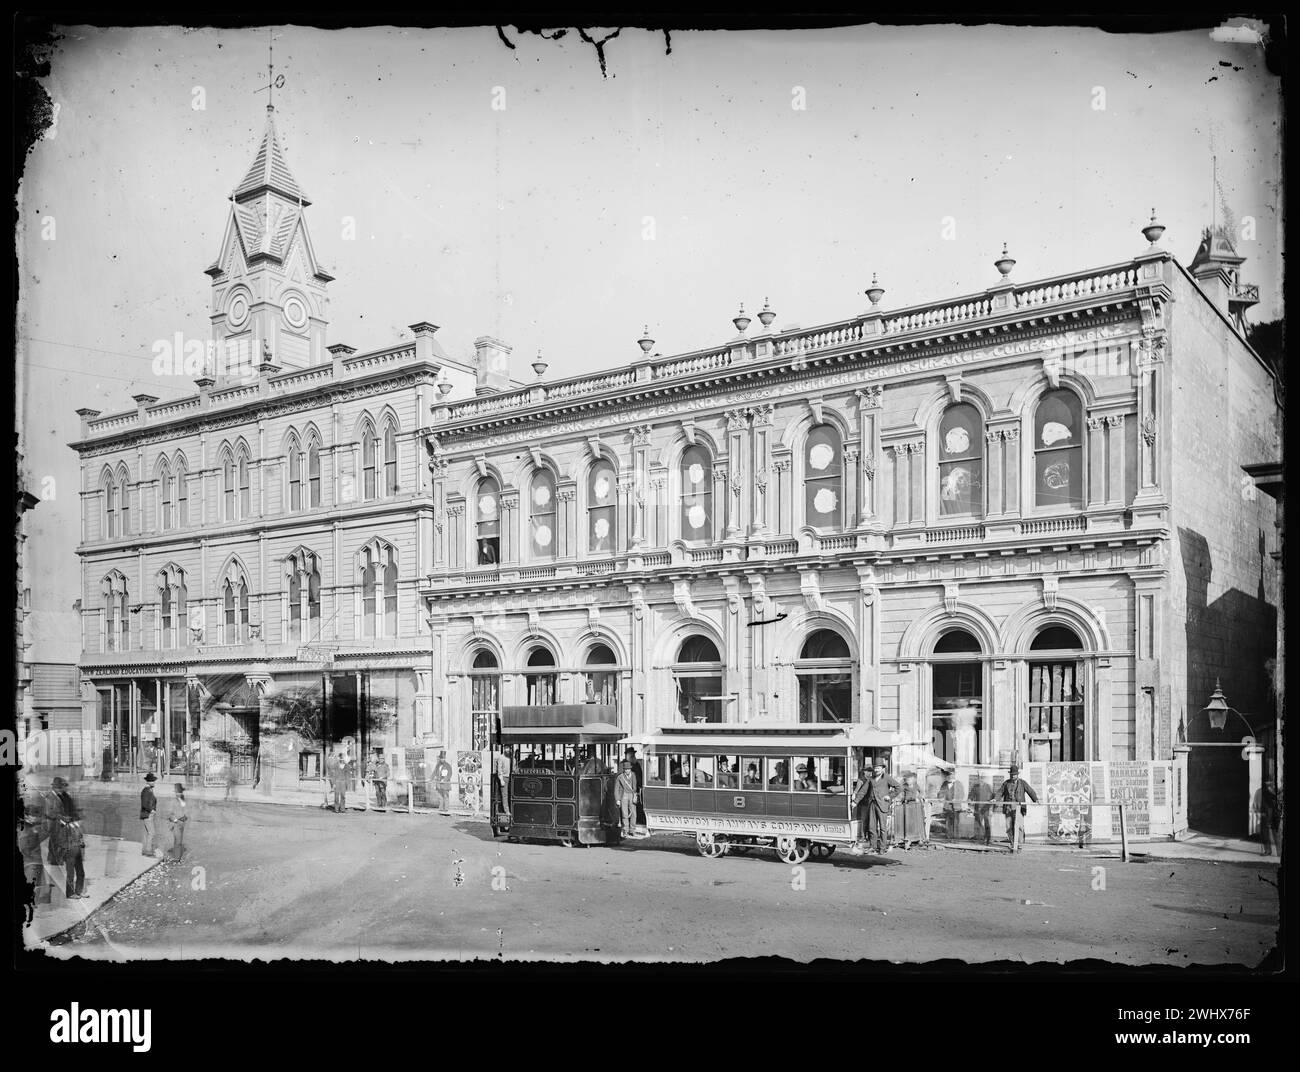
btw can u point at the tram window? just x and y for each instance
(751, 772)
(832, 774)
(778, 773)
(653, 766)
(728, 774)
(805, 775)
(679, 769)
(702, 772)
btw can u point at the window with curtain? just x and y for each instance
(1058, 450)
(696, 472)
(124, 503)
(110, 508)
(823, 478)
(228, 488)
(182, 493)
(602, 509)
(487, 522)
(961, 461)
(541, 514)
(600, 686)
(245, 502)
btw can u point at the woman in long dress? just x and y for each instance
(177, 820)
(909, 813)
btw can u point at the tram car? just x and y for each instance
(786, 787)
(563, 763)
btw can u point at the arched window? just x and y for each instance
(1056, 707)
(602, 509)
(696, 494)
(957, 690)
(182, 492)
(228, 488)
(245, 502)
(124, 501)
(485, 698)
(302, 606)
(378, 564)
(390, 458)
(109, 491)
(540, 684)
(295, 474)
(369, 460)
(541, 514)
(234, 610)
(313, 473)
(697, 675)
(166, 496)
(961, 461)
(823, 478)
(825, 674)
(1058, 450)
(600, 686)
(117, 613)
(487, 522)
(172, 610)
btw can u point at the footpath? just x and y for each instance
(110, 864)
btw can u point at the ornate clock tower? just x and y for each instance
(268, 289)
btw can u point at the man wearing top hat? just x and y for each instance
(873, 799)
(67, 844)
(1014, 790)
(148, 809)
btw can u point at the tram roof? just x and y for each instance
(731, 737)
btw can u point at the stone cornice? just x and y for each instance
(844, 367)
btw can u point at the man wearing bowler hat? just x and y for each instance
(873, 798)
(148, 809)
(1013, 791)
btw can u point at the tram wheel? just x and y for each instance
(710, 845)
(792, 850)
(820, 848)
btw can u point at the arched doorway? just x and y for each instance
(1057, 723)
(824, 671)
(1218, 777)
(485, 698)
(541, 681)
(957, 698)
(600, 686)
(697, 676)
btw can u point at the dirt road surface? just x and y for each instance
(266, 881)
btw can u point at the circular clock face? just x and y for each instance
(237, 312)
(295, 313)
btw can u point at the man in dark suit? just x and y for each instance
(1013, 791)
(873, 798)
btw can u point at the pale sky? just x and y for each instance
(530, 223)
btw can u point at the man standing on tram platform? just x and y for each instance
(873, 799)
(637, 769)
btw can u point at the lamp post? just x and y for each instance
(1217, 710)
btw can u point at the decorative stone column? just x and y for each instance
(869, 405)
(509, 504)
(761, 437)
(737, 430)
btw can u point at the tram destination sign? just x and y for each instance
(751, 827)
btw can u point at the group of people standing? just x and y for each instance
(177, 819)
(878, 793)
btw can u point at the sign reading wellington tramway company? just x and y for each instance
(752, 827)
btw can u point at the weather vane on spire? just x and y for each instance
(276, 81)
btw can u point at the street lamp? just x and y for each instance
(1217, 710)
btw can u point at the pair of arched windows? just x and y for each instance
(303, 471)
(115, 494)
(117, 612)
(173, 493)
(378, 459)
(1057, 455)
(302, 604)
(172, 608)
(378, 565)
(236, 499)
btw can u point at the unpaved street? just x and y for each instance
(270, 881)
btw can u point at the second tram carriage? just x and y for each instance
(787, 787)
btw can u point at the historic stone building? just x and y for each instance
(251, 554)
(1010, 524)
